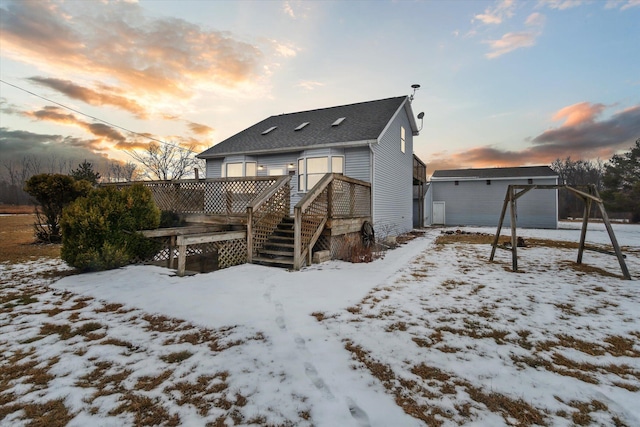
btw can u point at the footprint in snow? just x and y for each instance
(318, 382)
(358, 414)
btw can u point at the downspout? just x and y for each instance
(372, 172)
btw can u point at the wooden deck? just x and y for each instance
(336, 206)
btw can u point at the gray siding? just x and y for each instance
(214, 168)
(476, 203)
(358, 163)
(393, 179)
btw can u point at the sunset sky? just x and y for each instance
(503, 83)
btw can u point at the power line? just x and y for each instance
(96, 118)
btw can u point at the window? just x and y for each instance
(302, 126)
(312, 169)
(316, 168)
(530, 181)
(276, 171)
(402, 141)
(239, 169)
(234, 170)
(337, 164)
(488, 182)
(269, 130)
(456, 182)
(251, 169)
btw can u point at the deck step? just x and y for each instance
(275, 253)
(274, 262)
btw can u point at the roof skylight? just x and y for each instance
(269, 130)
(302, 126)
(337, 122)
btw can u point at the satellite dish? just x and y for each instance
(415, 86)
(421, 115)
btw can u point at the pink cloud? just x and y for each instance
(580, 113)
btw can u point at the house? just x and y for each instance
(475, 197)
(369, 141)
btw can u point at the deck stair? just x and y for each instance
(277, 251)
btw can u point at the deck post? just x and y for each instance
(172, 246)
(182, 259)
(249, 234)
(297, 238)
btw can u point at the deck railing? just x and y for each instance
(216, 196)
(334, 196)
(265, 213)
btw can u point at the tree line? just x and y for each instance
(617, 181)
(14, 174)
(156, 162)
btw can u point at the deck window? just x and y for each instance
(240, 169)
(402, 139)
(312, 169)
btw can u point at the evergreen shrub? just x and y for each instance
(101, 231)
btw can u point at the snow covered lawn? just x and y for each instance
(432, 334)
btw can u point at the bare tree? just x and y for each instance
(167, 161)
(121, 172)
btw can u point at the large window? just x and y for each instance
(239, 169)
(312, 169)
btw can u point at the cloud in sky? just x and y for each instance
(581, 137)
(309, 84)
(199, 129)
(581, 113)
(58, 115)
(46, 149)
(517, 40)
(495, 15)
(561, 4)
(115, 40)
(92, 97)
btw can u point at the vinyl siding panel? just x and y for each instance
(214, 168)
(475, 203)
(393, 179)
(357, 163)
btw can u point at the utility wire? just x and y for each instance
(96, 118)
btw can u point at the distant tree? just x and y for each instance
(576, 173)
(52, 193)
(167, 161)
(85, 171)
(622, 183)
(119, 172)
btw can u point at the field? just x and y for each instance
(432, 334)
(16, 239)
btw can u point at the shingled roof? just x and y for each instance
(494, 173)
(363, 122)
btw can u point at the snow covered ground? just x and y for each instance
(429, 335)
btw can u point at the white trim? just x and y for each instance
(347, 144)
(476, 178)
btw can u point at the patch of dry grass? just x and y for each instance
(17, 235)
(205, 393)
(52, 413)
(433, 384)
(145, 410)
(176, 357)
